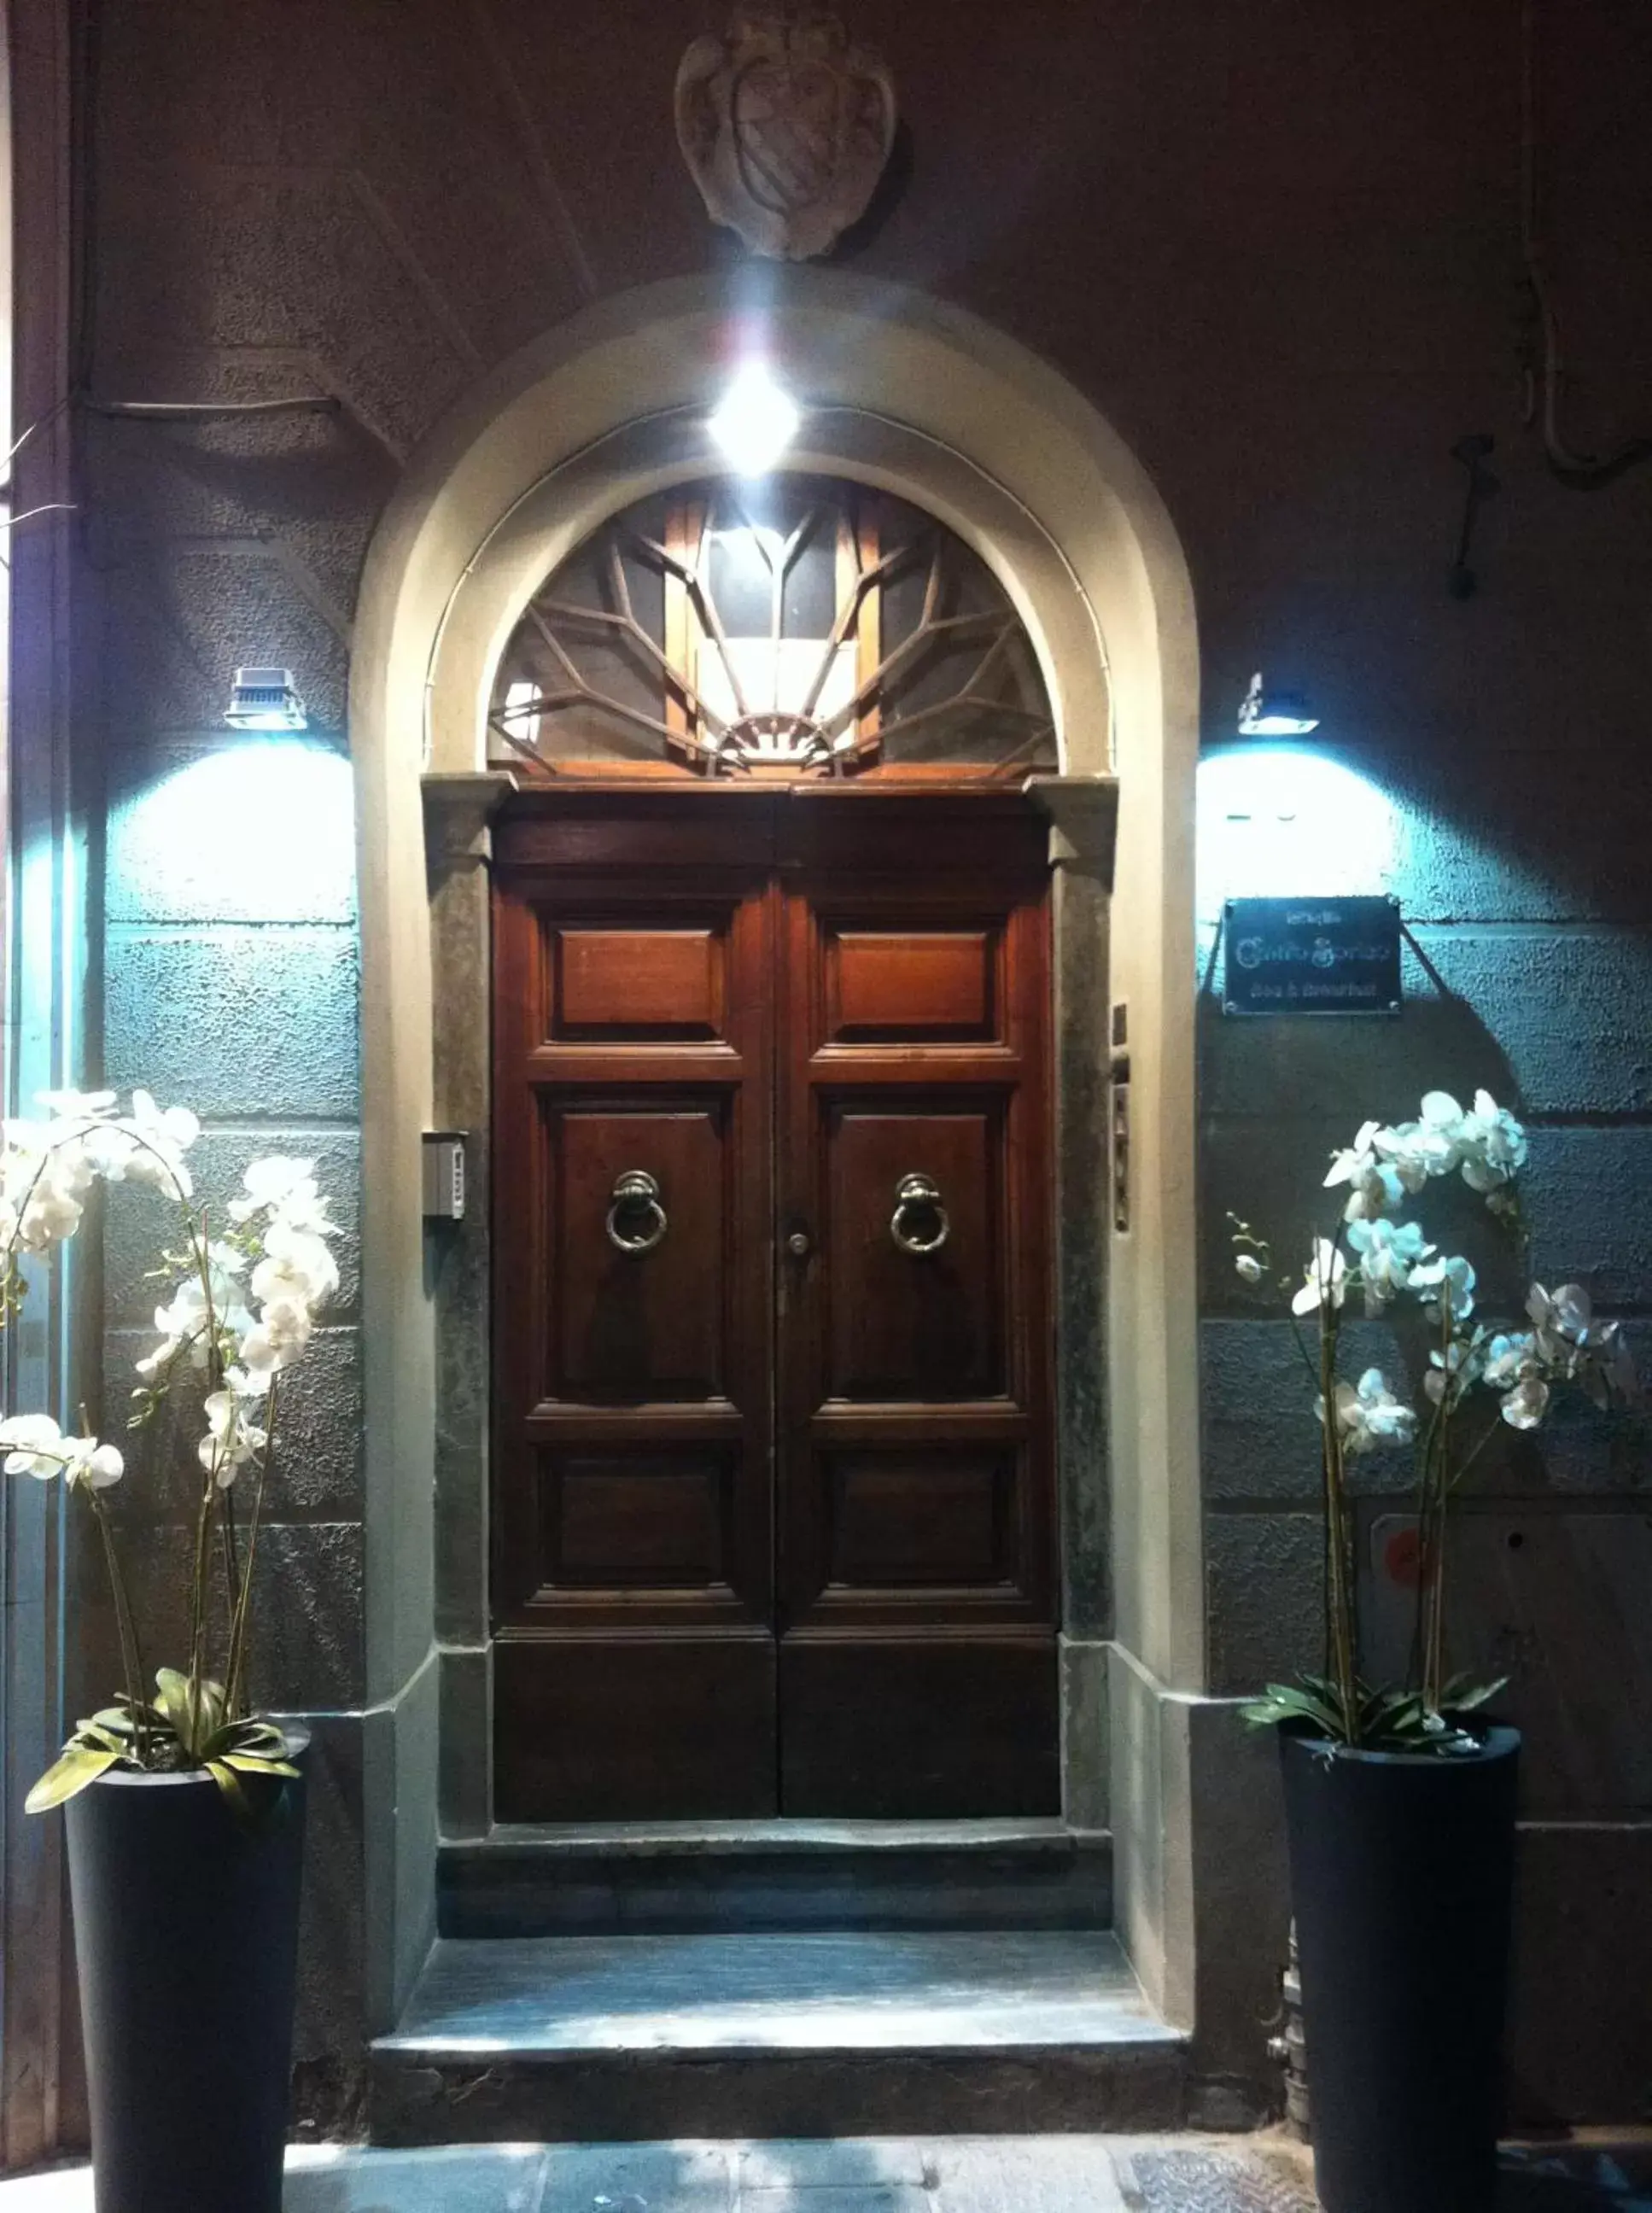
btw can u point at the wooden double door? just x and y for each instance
(773, 1483)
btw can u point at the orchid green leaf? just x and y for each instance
(69, 1774)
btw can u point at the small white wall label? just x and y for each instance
(444, 1175)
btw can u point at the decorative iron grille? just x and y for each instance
(806, 626)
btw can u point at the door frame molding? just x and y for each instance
(991, 844)
(1082, 814)
(938, 407)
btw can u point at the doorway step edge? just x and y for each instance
(846, 2034)
(670, 1878)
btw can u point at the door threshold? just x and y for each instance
(617, 1878)
(780, 1834)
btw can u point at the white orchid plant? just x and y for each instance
(1387, 1264)
(244, 1296)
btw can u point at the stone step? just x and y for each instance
(860, 2033)
(677, 1878)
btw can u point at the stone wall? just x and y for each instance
(231, 984)
(1278, 245)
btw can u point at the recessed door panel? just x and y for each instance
(899, 987)
(921, 1519)
(633, 1318)
(912, 1284)
(628, 1729)
(626, 983)
(919, 1727)
(639, 1521)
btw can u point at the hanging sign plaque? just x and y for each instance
(1311, 956)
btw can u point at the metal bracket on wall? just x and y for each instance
(1482, 486)
(1121, 1148)
(1118, 1114)
(1121, 1152)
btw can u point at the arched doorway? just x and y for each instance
(931, 407)
(773, 1479)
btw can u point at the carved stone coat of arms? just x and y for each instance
(786, 127)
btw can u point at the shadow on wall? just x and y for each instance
(1278, 1093)
(1277, 1096)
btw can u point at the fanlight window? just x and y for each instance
(803, 626)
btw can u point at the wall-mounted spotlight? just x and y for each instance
(755, 421)
(264, 699)
(1274, 714)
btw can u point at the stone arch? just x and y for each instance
(931, 404)
(641, 457)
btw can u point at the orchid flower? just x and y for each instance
(1561, 1320)
(34, 1445)
(1452, 1279)
(288, 1189)
(1377, 1187)
(1389, 1253)
(241, 1307)
(1494, 1145)
(232, 1438)
(1326, 1279)
(183, 1323)
(1453, 1370)
(1568, 1344)
(147, 1146)
(1368, 1416)
(1524, 1407)
(1430, 1147)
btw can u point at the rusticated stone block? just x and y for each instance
(1345, 1067)
(1580, 2038)
(317, 1470)
(1551, 1022)
(236, 1021)
(1456, 837)
(230, 477)
(139, 1223)
(1263, 1585)
(1261, 1436)
(329, 2030)
(180, 620)
(308, 1623)
(1554, 1602)
(170, 860)
(1584, 1194)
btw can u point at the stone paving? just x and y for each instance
(954, 2175)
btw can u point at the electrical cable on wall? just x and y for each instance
(9, 521)
(151, 410)
(206, 411)
(1545, 377)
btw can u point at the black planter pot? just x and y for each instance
(1402, 1872)
(186, 1936)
